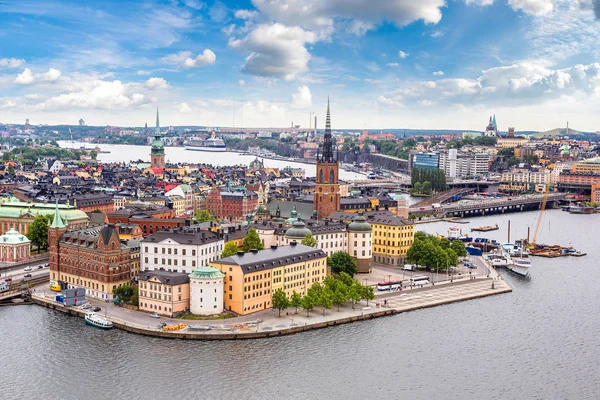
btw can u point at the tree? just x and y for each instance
(230, 249)
(459, 248)
(310, 301)
(37, 231)
(326, 299)
(355, 292)
(127, 293)
(339, 293)
(309, 240)
(296, 300)
(10, 169)
(204, 216)
(252, 241)
(97, 211)
(279, 300)
(367, 293)
(341, 261)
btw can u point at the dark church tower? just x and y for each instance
(157, 152)
(327, 189)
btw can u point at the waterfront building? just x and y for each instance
(595, 193)
(18, 215)
(590, 165)
(577, 181)
(163, 292)
(181, 249)
(157, 152)
(360, 243)
(251, 278)
(327, 192)
(206, 291)
(525, 181)
(14, 247)
(92, 258)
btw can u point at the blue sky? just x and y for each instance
(267, 63)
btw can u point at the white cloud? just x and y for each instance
(242, 82)
(246, 14)
(275, 50)
(7, 103)
(183, 108)
(176, 58)
(480, 2)
(393, 65)
(195, 4)
(533, 7)
(427, 103)
(156, 84)
(302, 99)
(593, 5)
(436, 34)
(11, 63)
(27, 77)
(438, 73)
(402, 54)
(143, 72)
(207, 57)
(218, 12)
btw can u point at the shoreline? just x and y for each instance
(398, 302)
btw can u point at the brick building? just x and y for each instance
(327, 190)
(150, 220)
(93, 201)
(230, 205)
(92, 258)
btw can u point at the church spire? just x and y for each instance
(328, 120)
(157, 123)
(327, 153)
(57, 220)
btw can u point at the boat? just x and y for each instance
(212, 144)
(520, 266)
(98, 150)
(577, 254)
(486, 228)
(455, 233)
(580, 210)
(94, 319)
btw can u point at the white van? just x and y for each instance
(409, 267)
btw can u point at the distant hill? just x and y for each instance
(561, 132)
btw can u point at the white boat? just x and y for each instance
(96, 320)
(520, 266)
(212, 144)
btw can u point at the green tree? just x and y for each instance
(10, 169)
(339, 293)
(252, 241)
(310, 301)
(37, 231)
(309, 240)
(326, 299)
(355, 292)
(427, 188)
(204, 216)
(459, 248)
(341, 261)
(367, 293)
(127, 293)
(279, 300)
(507, 151)
(296, 300)
(229, 250)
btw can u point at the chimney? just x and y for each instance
(273, 247)
(240, 253)
(254, 251)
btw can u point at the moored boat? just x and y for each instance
(520, 266)
(212, 144)
(94, 319)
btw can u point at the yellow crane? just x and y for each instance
(536, 231)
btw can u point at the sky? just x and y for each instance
(426, 64)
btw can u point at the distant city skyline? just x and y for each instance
(396, 64)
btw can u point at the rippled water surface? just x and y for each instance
(539, 342)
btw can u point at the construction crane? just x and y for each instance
(536, 231)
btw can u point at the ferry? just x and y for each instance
(96, 320)
(212, 144)
(520, 266)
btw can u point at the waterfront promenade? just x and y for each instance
(267, 323)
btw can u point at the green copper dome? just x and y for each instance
(359, 224)
(206, 273)
(297, 231)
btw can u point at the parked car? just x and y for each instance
(96, 309)
(86, 306)
(155, 315)
(161, 324)
(40, 267)
(27, 276)
(30, 268)
(8, 280)
(470, 265)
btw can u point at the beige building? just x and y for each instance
(165, 293)
(14, 247)
(511, 142)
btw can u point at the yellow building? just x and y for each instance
(165, 293)
(511, 142)
(392, 237)
(590, 165)
(179, 204)
(251, 278)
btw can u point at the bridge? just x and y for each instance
(21, 287)
(443, 197)
(491, 206)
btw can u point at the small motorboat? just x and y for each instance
(93, 319)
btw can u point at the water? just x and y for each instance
(539, 342)
(127, 153)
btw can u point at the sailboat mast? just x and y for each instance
(509, 231)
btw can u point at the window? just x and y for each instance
(193, 252)
(183, 252)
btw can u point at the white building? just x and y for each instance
(180, 250)
(360, 243)
(206, 291)
(330, 236)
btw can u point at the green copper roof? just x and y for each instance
(13, 237)
(359, 224)
(297, 231)
(57, 220)
(13, 208)
(206, 273)
(158, 147)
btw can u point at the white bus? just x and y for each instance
(419, 280)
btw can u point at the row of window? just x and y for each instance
(203, 250)
(155, 307)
